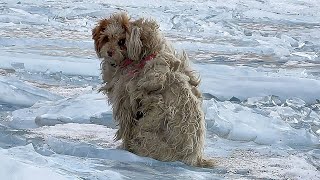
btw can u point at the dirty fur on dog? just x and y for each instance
(153, 92)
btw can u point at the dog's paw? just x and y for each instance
(206, 163)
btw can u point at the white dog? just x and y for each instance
(154, 94)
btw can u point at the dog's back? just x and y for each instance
(172, 126)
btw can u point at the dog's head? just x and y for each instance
(110, 37)
(116, 38)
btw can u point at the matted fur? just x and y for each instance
(165, 92)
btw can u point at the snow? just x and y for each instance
(291, 168)
(80, 133)
(259, 64)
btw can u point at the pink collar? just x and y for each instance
(136, 67)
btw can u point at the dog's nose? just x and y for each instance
(109, 53)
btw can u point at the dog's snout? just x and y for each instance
(109, 53)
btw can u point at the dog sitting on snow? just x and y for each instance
(152, 90)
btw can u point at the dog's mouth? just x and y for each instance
(116, 59)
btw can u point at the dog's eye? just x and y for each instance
(105, 39)
(121, 42)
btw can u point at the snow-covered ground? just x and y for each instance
(260, 66)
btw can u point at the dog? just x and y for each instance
(153, 92)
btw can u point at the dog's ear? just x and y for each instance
(95, 37)
(96, 34)
(134, 44)
(145, 39)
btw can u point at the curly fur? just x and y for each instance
(159, 109)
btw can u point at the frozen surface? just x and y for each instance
(11, 168)
(260, 68)
(86, 108)
(13, 91)
(245, 82)
(240, 123)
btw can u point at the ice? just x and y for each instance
(11, 168)
(259, 64)
(13, 91)
(295, 103)
(86, 108)
(290, 168)
(67, 65)
(24, 163)
(85, 133)
(263, 101)
(238, 123)
(244, 82)
(308, 55)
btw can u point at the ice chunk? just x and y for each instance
(16, 92)
(245, 82)
(12, 168)
(11, 138)
(288, 114)
(293, 42)
(51, 120)
(52, 64)
(29, 165)
(263, 101)
(17, 65)
(295, 103)
(308, 55)
(245, 124)
(86, 108)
